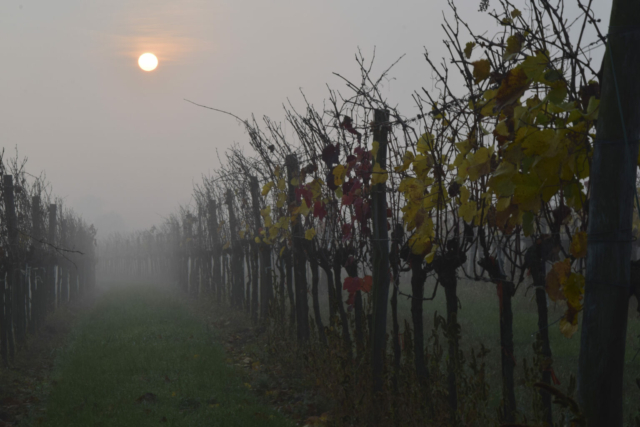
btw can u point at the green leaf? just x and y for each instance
(468, 48)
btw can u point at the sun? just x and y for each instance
(148, 61)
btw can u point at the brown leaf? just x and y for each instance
(511, 89)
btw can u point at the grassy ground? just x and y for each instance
(140, 357)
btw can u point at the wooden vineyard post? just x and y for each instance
(539, 274)
(64, 266)
(257, 250)
(12, 289)
(266, 289)
(216, 280)
(380, 245)
(36, 282)
(299, 258)
(612, 185)
(50, 281)
(237, 270)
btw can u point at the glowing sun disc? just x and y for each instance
(148, 61)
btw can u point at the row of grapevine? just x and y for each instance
(487, 182)
(47, 253)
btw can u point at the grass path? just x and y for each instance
(140, 358)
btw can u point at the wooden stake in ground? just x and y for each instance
(11, 291)
(216, 280)
(612, 190)
(237, 271)
(380, 247)
(299, 258)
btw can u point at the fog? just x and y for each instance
(122, 147)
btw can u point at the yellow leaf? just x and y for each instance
(257, 239)
(573, 290)
(502, 129)
(556, 278)
(578, 246)
(467, 211)
(527, 192)
(464, 146)
(535, 141)
(295, 182)
(592, 109)
(514, 45)
(282, 184)
(425, 143)
(464, 194)
(379, 175)
(431, 255)
(316, 188)
(282, 199)
(568, 328)
(479, 163)
(310, 234)
(227, 245)
(374, 149)
(304, 208)
(339, 172)
(516, 13)
(481, 70)
(406, 162)
(265, 212)
(267, 187)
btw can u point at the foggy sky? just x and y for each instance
(116, 141)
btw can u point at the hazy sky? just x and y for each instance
(115, 139)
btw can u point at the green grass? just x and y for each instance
(480, 323)
(141, 358)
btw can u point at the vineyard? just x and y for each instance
(345, 211)
(414, 269)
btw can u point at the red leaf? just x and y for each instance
(366, 283)
(304, 193)
(348, 125)
(347, 229)
(351, 284)
(347, 199)
(318, 210)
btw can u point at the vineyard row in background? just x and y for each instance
(47, 256)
